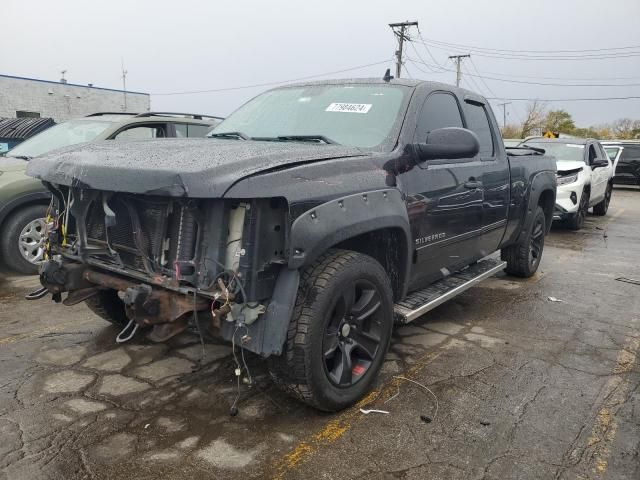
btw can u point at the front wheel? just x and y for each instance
(576, 222)
(601, 208)
(523, 259)
(23, 238)
(339, 332)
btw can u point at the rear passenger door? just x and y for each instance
(444, 198)
(495, 176)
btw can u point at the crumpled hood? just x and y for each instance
(8, 164)
(568, 165)
(198, 168)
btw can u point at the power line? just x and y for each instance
(565, 99)
(550, 84)
(449, 44)
(509, 56)
(440, 67)
(267, 84)
(473, 64)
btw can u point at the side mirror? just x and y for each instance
(449, 143)
(599, 163)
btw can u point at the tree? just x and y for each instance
(626, 129)
(511, 131)
(534, 120)
(559, 121)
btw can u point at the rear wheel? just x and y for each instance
(601, 208)
(576, 222)
(523, 259)
(22, 239)
(339, 333)
(108, 306)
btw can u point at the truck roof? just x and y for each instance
(405, 82)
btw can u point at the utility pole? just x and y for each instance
(124, 85)
(504, 113)
(458, 59)
(399, 31)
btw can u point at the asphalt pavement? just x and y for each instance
(514, 379)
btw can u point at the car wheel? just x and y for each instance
(523, 259)
(601, 208)
(576, 222)
(339, 332)
(108, 306)
(23, 238)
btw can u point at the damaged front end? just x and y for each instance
(172, 261)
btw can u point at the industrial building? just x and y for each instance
(29, 97)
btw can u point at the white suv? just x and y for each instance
(584, 177)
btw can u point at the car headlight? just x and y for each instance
(566, 179)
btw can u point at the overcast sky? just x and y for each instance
(176, 46)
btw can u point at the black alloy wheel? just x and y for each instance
(536, 243)
(353, 334)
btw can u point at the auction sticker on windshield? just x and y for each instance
(349, 107)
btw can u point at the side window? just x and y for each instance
(181, 130)
(592, 154)
(198, 130)
(143, 132)
(439, 110)
(601, 153)
(478, 122)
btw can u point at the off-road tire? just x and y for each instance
(10, 235)
(576, 221)
(519, 256)
(108, 306)
(601, 208)
(300, 370)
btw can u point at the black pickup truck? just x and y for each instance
(311, 219)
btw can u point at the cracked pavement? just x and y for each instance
(526, 387)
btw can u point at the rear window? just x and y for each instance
(478, 122)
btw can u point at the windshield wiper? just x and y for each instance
(20, 157)
(298, 138)
(307, 138)
(236, 135)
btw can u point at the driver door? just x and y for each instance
(444, 199)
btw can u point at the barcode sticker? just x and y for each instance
(349, 107)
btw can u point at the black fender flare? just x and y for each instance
(26, 199)
(340, 219)
(541, 182)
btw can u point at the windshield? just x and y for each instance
(562, 151)
(62, 135)
(354, 115)
(612, 152)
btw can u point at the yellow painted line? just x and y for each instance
(38, 332)
(338, 426)
(605, 427)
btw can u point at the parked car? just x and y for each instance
(313, 216)
(24, 200)
(14, 131)
(585, 175)
(626, 157)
